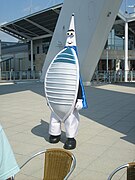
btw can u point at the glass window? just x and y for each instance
(37, 49)
(45, 47)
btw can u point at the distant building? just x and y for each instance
(36, 30)
(14, 56)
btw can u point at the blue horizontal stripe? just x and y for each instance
(65, 56)
(68, 51)
(64, 61)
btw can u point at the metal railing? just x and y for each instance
(99, 76)
(20, 75)
(113, 76)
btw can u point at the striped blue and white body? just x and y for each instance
(61, 83)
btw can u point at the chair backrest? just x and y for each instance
(58, 164)
(130, 171)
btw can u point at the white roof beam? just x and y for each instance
(122, 16)
(31, 33)
(57, 11)
(131, 30)
(131, 19)
(21, 34)
(11, 34)
(43, 36)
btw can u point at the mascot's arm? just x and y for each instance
(79, 104)
(79, 101)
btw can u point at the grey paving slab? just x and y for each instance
(106, 136)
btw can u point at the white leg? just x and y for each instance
(71, 124)
(55, 125)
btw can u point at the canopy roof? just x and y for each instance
(120, 24)
(35, 26)
(131, 22)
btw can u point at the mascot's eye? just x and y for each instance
(70, 33)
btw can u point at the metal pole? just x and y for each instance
(31, 55)
(107, 60)
(126, 52)
(107, 75)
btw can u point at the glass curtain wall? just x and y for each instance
(115, 41)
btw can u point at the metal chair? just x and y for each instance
(58, 163)
(130, 171)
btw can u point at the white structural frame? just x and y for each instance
(31, 51)
(94, 20)
(126, 52)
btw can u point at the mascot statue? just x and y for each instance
(64, 91)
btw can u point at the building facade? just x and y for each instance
(30, 56)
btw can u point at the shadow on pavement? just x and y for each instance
(36, 87)
(42, 131)
(112, 109)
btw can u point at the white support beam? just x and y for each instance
(31, 51)
(41, 37)
(39, 26)
(107, 59)
(126, 52)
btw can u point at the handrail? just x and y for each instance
(20, 75)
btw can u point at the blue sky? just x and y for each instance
(13, 9)
(126, 3)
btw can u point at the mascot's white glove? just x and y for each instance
(79, 104)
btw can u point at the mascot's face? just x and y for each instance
(70, 38)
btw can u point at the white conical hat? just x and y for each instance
(71, 37)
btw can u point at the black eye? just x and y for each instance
(72, 34)
(68, 33)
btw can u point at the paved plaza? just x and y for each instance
(106, 136)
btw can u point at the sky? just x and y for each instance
(11, 10)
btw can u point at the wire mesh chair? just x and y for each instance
(58, 163)
(130, 171)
